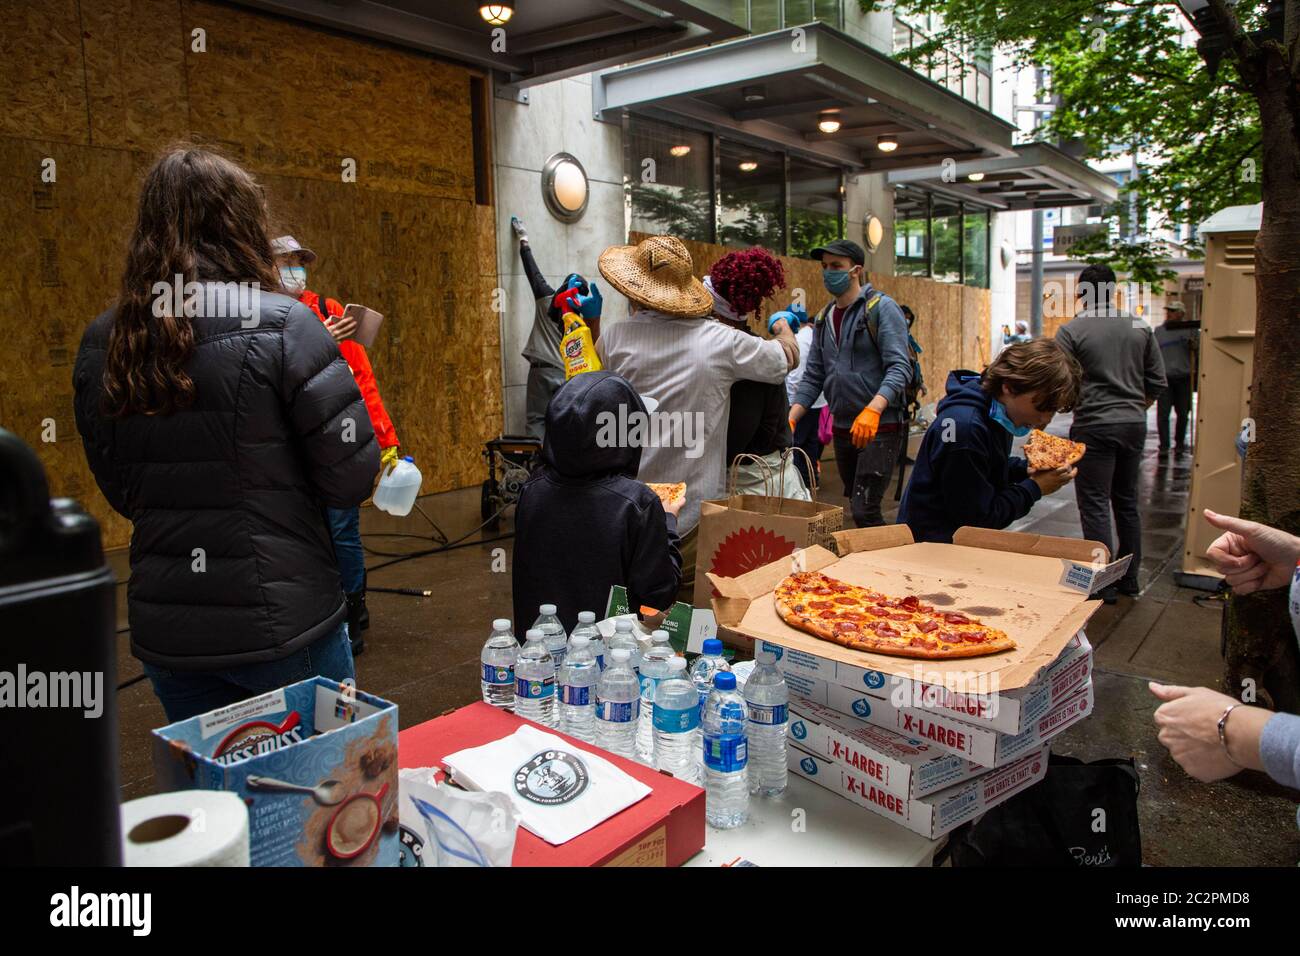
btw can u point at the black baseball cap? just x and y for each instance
(841, 247)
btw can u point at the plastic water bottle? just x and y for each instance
(618, 699)
(654, 668)
(624, 638)
(578, 678)
(708, 664)
(547, 615)
(766, 697)
(398, 488)
(677, 725)
(535, 681)
(557, 642)
(726, 784)
(587, 627)
(498, 659)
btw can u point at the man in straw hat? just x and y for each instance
(670, 350)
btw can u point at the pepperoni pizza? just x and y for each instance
(866, 620)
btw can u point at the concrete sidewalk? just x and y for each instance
(422, 653)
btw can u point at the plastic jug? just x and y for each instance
(399, 486)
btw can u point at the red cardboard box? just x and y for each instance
(664, 829)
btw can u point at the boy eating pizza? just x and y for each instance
(964, 474)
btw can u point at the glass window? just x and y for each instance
(902, 37)
(969, 85)
(955, 72)
(669, 193)
(911, 241)
(815, 203)
(740, 12)
(984, 90)
(797, 12)
(751, 183)
(945, 231)
(828, 11)
(764, 16)
(975, 249)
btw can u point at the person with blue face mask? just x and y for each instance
(861, 361)
(964, 472)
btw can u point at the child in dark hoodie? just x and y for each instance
(964, 474)
(584, 523)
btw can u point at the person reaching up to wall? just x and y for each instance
(345, 523)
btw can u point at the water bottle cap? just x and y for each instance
(713, 646)
(676, 664)
(623, 624)
(765, 657)
(724, 680)
(620, 654)
(547, 609)
(533, 634)
(586, 617)
(408, 458)
(659, 637)
(501, 624)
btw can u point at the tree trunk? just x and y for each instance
(1261, 644)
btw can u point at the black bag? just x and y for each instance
(1082, 814)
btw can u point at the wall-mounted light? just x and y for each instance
(564, 187)
(886, 143)
(679, 150)
(976, 177)
(496, 13)
(829, 121)
(748, 166)
(753, 94)
(874, 234)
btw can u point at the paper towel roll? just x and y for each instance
(185, 828)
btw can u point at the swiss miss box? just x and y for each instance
(315, 763)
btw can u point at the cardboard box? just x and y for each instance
(664, 829)
(906, 766)
(1010, 713)
(300, 736)
(1027, 585)
(931, 816)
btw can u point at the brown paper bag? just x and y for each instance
(742, 532)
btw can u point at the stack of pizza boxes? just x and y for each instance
(932, 744)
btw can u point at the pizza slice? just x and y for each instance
(866, 620)
(1049, 452)
(668, 492)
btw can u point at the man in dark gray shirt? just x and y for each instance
(1122, 375)
(1177, 339)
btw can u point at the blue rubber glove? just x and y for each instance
(791, 319)
(589, 305)
(575, 280)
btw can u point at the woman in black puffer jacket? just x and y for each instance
(218, 415)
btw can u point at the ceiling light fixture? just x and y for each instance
(886, 143)
(753, 94)
(748, 166)
(829, 121)
(976, 177)
(496, 13)
(679, 150)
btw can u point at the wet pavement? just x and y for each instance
(422, 653)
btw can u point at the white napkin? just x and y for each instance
(560, 791)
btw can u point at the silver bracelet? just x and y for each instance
(1223, 733)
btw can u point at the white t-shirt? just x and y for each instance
(805, 339)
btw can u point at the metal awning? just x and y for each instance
(772, 88)
(1037, 176)
(544, 39)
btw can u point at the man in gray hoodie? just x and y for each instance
(860, 359)
(1122, 375)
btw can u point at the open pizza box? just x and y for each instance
(1033, 587)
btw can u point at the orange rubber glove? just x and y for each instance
(792, 424)
(865, 427)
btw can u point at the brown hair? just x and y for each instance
(201, 217)
(1040, 365)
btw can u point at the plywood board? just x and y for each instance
(42, 82)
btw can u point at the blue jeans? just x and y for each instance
(345, 529)
(185, 694)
